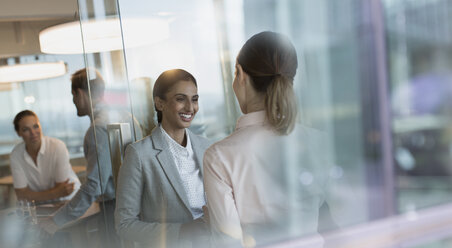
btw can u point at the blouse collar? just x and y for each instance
(42, 149)
(170, 141)
(251, 119)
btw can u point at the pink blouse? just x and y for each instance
(259, 185)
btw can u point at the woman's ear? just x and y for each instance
(241, 74)
(244, 78)
(159, 104)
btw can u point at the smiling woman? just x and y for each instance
(160, 195)
(176, 102)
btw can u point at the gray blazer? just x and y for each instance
(151, 203)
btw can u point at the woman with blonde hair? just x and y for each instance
(247, 175)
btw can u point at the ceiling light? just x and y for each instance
(7, 86)
(102, 35)
(29, 99)
(29, 72)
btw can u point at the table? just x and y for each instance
(17, 232)
(79, 228)
(9, 195)
(8, 180)
(79, 169)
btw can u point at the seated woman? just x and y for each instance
(255, 178)
(160, 193)
(40, 165)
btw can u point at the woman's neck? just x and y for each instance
(255, 101)
(33, 151)
(254, 107)
(176, 134)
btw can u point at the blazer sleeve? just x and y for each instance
(91, 189)
(128, 206)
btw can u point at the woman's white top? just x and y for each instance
(52, 166)
(189, 172)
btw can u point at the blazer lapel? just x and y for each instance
(168, 165)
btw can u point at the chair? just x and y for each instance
(119, 136)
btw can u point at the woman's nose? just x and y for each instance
(189, 106)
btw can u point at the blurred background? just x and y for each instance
(375, 76)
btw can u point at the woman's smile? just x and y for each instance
(186, 117)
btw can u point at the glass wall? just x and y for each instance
(374, 79)
(335, 46)
(332, 40)
(50, 98)
(185, 36)
(420, 59)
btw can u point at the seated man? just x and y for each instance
(40, 165)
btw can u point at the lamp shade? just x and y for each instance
(30, 72)
(93, 36)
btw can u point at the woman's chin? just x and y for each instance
(186, 124)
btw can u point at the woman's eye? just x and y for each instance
(180, 99)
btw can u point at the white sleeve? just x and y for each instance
(62, 166)
(19, 179)
(63, 169)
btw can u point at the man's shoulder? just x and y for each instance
(95, 129)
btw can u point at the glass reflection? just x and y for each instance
(420, 73)
(335, 87)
